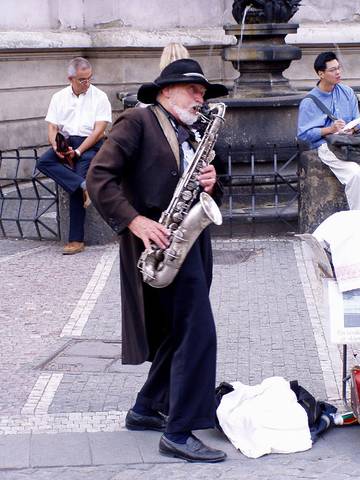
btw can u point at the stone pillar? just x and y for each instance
(320, 192)
(97, 231)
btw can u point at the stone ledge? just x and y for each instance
(97, 232)
(330, 33)
(119, 37)
(308, 34)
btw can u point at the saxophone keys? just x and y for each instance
(173, 226)
(177, 217)
(211, 156)
(171, 253)
(192, 185)
(180, 206)
(186, 195)
(159, 255)
(179, 236)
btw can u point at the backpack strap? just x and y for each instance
(322, 107)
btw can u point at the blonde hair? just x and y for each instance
(173, 51)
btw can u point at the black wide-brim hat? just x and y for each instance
(184, 70)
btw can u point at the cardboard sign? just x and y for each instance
(343, 314)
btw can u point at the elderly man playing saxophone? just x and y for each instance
(131, 181)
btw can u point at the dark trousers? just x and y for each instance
(181, 380)
(70, 180)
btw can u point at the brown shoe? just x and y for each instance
(73, 247)
(87, 199)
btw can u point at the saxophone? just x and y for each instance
(184, 221)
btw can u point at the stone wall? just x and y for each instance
(29, 79)
(326, 25)
(123, 44)
(34, 15)
(124, 40)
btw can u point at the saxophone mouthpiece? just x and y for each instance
(205, 109)
(204, 112)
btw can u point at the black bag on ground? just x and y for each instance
(319, 413)
(220, 391)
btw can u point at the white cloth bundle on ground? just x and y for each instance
(264, 418)
(341, 232)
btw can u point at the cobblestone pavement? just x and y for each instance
(64, 392)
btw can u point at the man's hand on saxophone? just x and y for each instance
(149, 231)
(207, 178)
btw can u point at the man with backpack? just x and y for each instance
(326, 110)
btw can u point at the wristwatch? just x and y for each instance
(77, 151)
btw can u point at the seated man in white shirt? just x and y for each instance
(81, 113)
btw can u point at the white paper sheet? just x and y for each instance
(350, 125)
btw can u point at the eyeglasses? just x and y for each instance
(84, 81)
(334, 69)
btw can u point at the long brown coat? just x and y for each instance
(135, 172)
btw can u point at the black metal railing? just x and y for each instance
(28, 201)
(261, 185)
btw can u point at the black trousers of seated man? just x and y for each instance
(181, 380)
(70, 180)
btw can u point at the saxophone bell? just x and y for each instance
(210, 208)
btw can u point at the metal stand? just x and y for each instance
(345, 377)
(344, 380)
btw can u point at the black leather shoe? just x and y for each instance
(135, 421)
(194, 450)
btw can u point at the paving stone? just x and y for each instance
(94, 349)
(114, 448)
(14, 443)
(264, 328)
(105, 323)
(216, 439)
(10, 247)
(35, 305)
(68, 473)
(148, 446)
(77, 364)
(118, 367)
(62, 449)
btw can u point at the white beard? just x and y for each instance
(185, 116)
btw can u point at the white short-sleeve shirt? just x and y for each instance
(76, 115)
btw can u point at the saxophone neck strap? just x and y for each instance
(168, 131)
